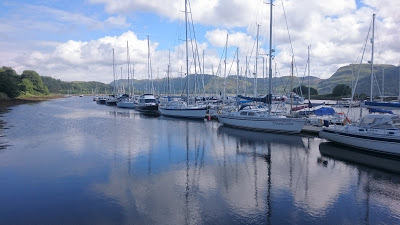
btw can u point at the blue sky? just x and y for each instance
(72, 40)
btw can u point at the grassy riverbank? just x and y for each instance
(6, 102)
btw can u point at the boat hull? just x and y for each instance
(101, 101)
(374, 143)
(111, 102)
(271, 124)
(191, 113)
(128, 105)
(148, 109)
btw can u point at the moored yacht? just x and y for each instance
(374, 132)
(182, 110)
(111, 100)
(147, 104)
(101, 100)
(258, 119)
(126, 102)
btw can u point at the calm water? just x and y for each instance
(71, 161)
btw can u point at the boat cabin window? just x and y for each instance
(250, 113)
(367, 121)
(243, 113)
(150, 101)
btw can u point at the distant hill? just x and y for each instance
(214, 84)
(347, 74)
(281, 85)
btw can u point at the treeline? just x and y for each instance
(76, 87)
(30, 83)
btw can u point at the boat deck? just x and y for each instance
(311, 130)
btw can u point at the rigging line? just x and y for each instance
(353, 90)
(379, 7)
(290, 41)
(220, 60)
(253, 21)
(233, 61)
(194, 36)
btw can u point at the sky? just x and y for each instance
(74, 40)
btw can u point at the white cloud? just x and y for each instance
(336, 30)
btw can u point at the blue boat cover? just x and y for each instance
(384, 104)
(323, 111)
(374, 110)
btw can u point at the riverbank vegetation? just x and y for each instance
(30, 85)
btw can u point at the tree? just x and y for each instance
(37, 82)
(341, 90)
(26, 86)
(9, 80)
(304, 90)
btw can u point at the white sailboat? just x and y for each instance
(127, 101)
(375, 132)
(263, 120)
(147, 103)
(180, 108)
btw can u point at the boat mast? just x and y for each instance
(204, 88)
(168, 81)
(114, 72)
(187, 49)
(256, 69)
(123, 87)
(291, 87)
(308, 66)
(245, 86)
(127, 59)
(270, 62)
(383, 84)
(226, 50)
(148, 63)
(372, 57)
(237, 72)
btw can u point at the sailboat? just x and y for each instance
(127, 101)
(374, 132)
(263, 120)
(181, 108)
(147, 103)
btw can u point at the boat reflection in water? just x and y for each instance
(377, 187)
(261, 137)
(353, 155)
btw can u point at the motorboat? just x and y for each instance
(181, 109)
(375, 132)
(147, 104)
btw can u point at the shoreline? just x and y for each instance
(7, 103)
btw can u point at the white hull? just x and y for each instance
(185, 112)
(129, 105)
(371, 142)
(269, 124)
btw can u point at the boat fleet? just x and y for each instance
(373, 133)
